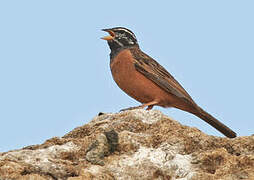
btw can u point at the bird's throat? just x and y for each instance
(116, 50)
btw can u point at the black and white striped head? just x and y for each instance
(119, 38)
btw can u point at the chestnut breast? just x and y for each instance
(136, 84)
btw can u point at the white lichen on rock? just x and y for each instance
(148, 117)
(44, 160)
(147, 161)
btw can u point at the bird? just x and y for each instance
(144, 79)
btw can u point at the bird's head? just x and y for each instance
(119, 38)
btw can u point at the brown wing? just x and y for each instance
(159, 75)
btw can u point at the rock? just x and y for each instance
(103, 145)
(135, 144)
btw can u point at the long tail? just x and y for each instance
(215, 123)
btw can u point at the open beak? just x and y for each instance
(111, 35)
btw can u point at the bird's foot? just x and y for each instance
(148, 105)
(131, 108)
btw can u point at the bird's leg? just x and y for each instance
(150, 106)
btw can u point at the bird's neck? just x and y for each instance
(115, 51)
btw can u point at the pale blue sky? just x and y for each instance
(54, 68)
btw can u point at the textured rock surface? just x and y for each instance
(135, 144)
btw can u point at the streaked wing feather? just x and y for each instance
(159, 75)
(157, 80)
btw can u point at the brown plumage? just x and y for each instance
(142, 78)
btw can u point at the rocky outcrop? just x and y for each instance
(134, 144)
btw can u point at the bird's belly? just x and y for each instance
(134, 83)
